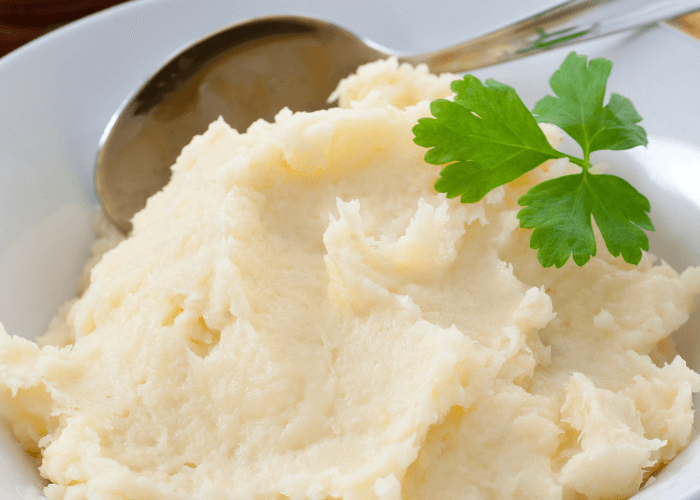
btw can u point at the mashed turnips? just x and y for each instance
(298, 314)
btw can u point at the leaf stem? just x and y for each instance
(587, 158)
(578, 161)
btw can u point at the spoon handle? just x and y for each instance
(570, 22)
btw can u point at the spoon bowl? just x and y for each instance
(253, 69)
(242, 73)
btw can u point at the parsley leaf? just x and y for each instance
(488, 132)
(560, 211)
(488, 138)
(579, 110)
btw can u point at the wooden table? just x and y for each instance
(689, 23)
(23, 20)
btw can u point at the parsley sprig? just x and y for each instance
(487, 138)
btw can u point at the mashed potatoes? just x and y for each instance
(298, 314)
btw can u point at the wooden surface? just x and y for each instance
(690, 24)
(23, 20)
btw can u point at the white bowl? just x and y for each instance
(58, 93)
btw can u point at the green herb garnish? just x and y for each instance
(490, 138)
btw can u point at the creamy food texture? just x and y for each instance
(299, 314)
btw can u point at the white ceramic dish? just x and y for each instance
(58, 93)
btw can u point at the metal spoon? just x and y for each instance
(253, 69)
